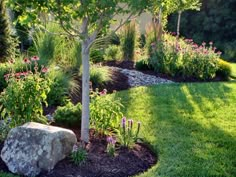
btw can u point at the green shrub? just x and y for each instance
(99, 75)
(69, 115)
(78, 155)
(96, 55)
(224, 69)
(143, 65)
(113, 52)
(105, 112)
(23, 97)
(129, 40)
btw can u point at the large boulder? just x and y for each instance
(34, 147)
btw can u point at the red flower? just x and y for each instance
(35, 58)
(26, 60)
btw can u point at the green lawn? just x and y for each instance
(192, 127)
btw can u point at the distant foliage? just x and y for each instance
(8, 44)
(215, 22)
(113, 52)
(129, 37)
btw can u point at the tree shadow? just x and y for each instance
(181, 122)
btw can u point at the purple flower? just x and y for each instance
(130, 123)
(111, 140)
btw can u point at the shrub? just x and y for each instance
(142, 65)
(105, 112)
(129, 40)
(22, 99)
(113, 52)
(69, 115)
(78, 155)
(126, 134)
(96, 55)
(99, 75)
(224, 69)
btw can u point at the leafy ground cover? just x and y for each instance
(190, 126)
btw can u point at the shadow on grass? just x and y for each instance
(190, 126)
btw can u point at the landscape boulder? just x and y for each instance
(33, 148)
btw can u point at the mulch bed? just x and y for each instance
(127, 162)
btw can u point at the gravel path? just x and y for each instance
(137, 78)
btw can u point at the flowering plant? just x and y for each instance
(21, 101)
(78, 155)
(111, 142)
(182, 57)
(104, 112)
(127, 135)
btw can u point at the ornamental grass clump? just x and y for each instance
(126, 134)
(78, 155)
(26, 92)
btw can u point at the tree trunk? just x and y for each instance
(178, 24)
(85, 93)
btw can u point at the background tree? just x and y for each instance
(83, 20)
(182, 5)
(215, 22)
(7, 43)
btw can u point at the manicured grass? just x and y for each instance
(191, 127)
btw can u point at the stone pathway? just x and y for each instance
(137, 78)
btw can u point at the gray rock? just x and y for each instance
(34, 147)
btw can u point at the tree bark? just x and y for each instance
(178, 24)
(85, 93)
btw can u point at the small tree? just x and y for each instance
(7, 45)
(82, 19)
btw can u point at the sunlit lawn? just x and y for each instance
(192, 127)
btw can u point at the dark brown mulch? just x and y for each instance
(127, 162)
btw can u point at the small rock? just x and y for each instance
(34, 147)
